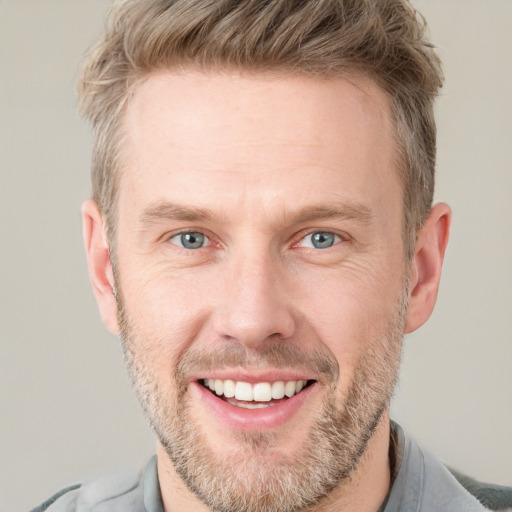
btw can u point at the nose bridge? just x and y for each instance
(254, 305)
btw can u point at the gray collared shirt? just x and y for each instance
(421, 484)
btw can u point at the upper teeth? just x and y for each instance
(260, 392)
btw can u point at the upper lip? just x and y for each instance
(254, 376)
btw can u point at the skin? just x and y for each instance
(270, 160)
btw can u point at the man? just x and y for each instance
(261, 236)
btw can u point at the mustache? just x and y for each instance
(280, 355)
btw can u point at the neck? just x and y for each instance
(364, 491)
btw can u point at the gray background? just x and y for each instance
(66, 408)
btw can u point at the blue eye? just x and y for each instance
(190, 240)
(320, 240)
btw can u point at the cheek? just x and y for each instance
(165, 312)
(349, 310)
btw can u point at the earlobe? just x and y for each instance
(425, 270)
(100, 266)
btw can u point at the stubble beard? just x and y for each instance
(255, 478)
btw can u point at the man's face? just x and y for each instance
(259, 251)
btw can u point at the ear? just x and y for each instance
(100, 267)
(425, 269)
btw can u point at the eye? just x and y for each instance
(320, 240)
(190, 240)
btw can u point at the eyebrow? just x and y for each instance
(345, 210)
(165, 211)
(171, 211)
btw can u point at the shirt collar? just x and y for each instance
(152, 496)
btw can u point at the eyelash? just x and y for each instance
(189, 232)
(337, 239)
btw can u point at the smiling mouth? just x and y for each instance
(255, 396)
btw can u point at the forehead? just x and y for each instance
(240, 104)
(284, 135)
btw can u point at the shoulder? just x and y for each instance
(118, 492)
(424, 484)
(494, 497)
(446, 489)
(67, 494)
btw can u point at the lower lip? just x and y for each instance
(253, 419)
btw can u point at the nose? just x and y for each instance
(254, 307)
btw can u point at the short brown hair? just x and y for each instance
(382, 39)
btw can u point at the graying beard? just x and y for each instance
(315, 473)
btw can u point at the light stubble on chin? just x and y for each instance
(257, 477)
